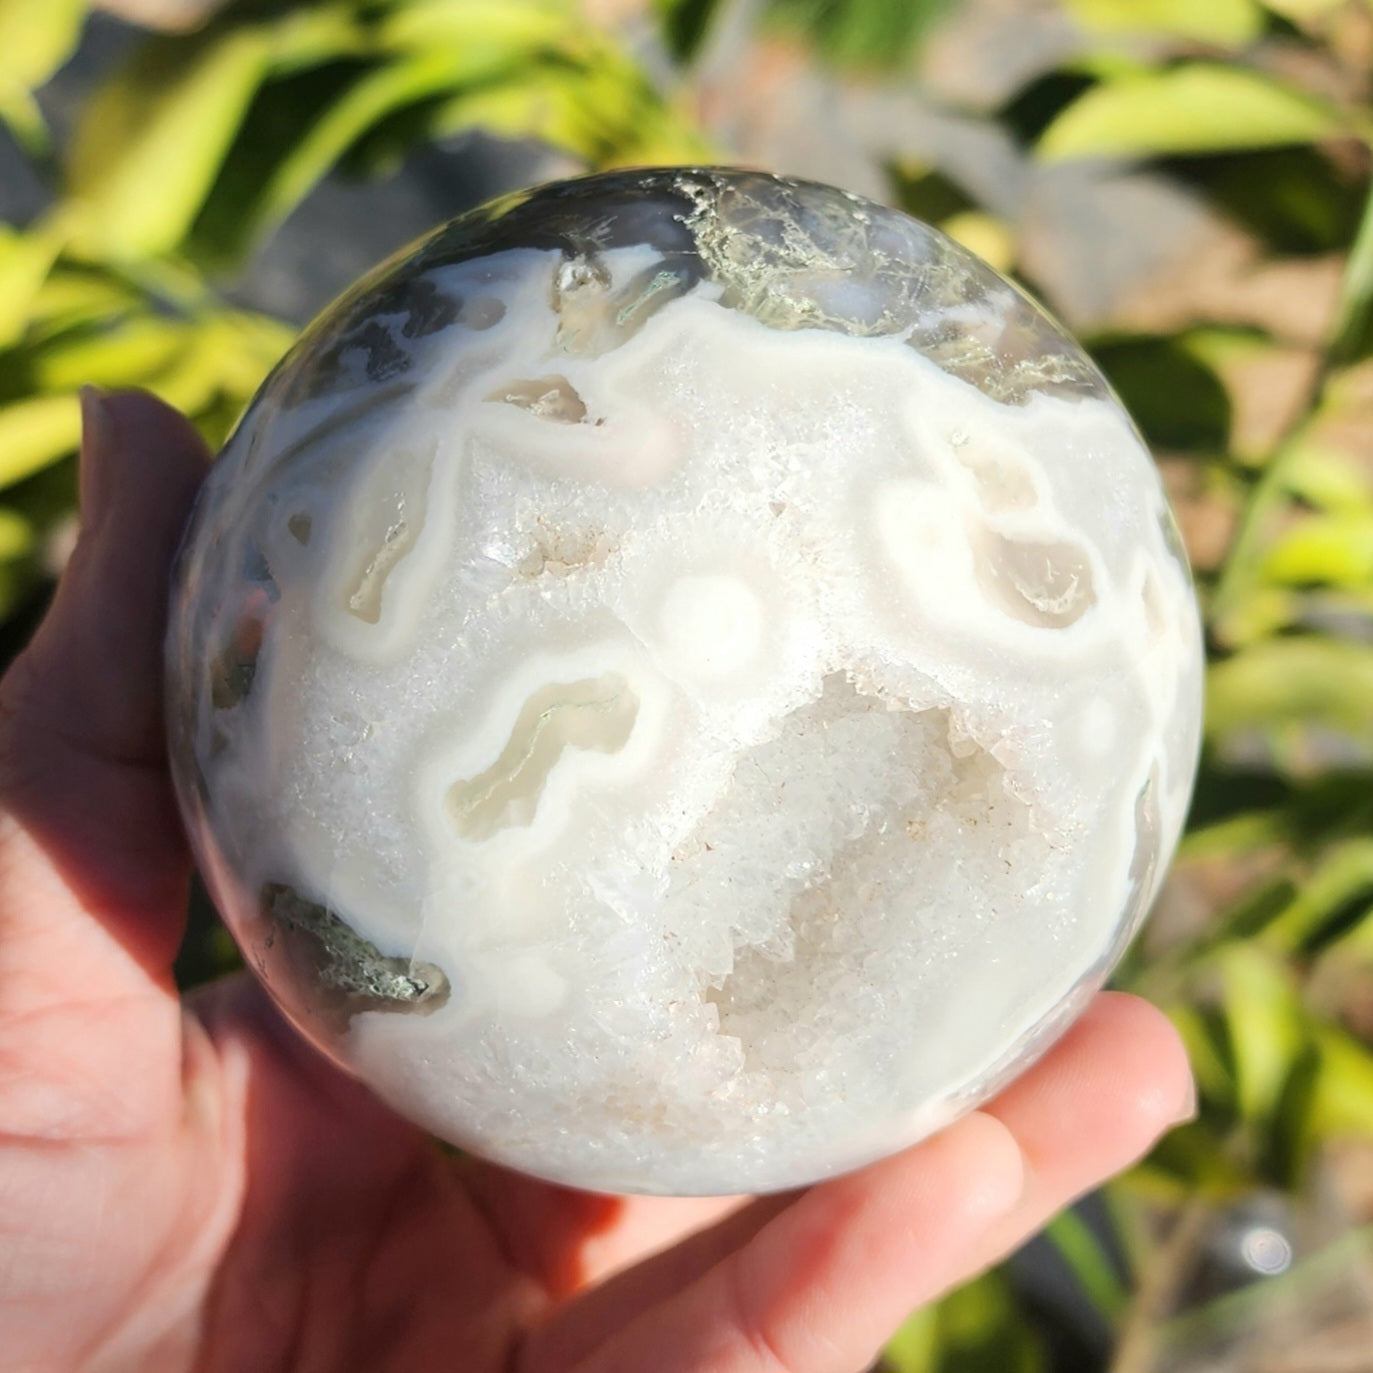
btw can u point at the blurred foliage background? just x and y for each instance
(1186, 183)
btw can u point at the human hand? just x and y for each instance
(189, 1187)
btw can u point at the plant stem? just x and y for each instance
(1350, 330)
(1137, 1347)
(1355, 299)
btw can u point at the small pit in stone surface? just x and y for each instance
(1039, 582)
(594, 714)
(550, 398)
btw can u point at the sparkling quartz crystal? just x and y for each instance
(683, 681)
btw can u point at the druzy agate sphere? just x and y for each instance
(683, 681)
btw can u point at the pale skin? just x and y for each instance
(187, 1186)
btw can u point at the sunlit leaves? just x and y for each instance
(36, 37)
(1170, 388)
(1304, 11)
(1226, 23)
(976, 1328)
(1333, 550)
(1352, 338)
(34, 432)
(686, 24)
(1264, 1025)
(1082, 1251)
(861, 33)
(1306, 680)
(1193, 108)
(373, 94)
(1341, 879)
(25, 261)
(1294, 200)
(929, 193)
(1341, 1101)
(152, 140)
(990, 237)
(362, 94)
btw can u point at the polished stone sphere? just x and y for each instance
(683, 681)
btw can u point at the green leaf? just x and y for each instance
(1335, 550)
(311, 35)
(1342, 1101)
(1195, 108)
(601, 117)
(1250, 832)
(1090, 1264)
(1210, 1065)
(36, 432)
(1226, 23)
(484, 27)
(1307, 680)
(928, 193)
(1265, 1024)
(1343, 877)
(1352, 945)
(858, 33)
(1251, 915)
(1297, 200)
(1187, 1162)
(151, 141)
(436, 69)
(16, 534)
(24, 118)
(36, 38)
(25, 261)
(685, 24)
(1304, 11)
(1351, 339)
(1328, 480)
(1037, 104)
(975, 1328)
(915, 1346)
(69, 299)
(372, 96)
(241, 350)
(125, 354)
(990, 238)
(1177, 400)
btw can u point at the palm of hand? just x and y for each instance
(192, 1188)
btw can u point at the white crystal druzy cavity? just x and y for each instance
(684, 681)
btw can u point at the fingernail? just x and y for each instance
(97, 433)
(1187, 1107)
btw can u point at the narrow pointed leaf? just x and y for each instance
(1227, 23)
(1344, 875)
(1196, 108)
(25, 261)
(1331, 550)
(685, 24)
(1265, 1023)
(371, 98)
(1309, 679)
(36, 432)
(152, 140)
(1343, 1097)
(36, 38)
(16, 534)
(126, 355)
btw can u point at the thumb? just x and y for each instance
(88, 824)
